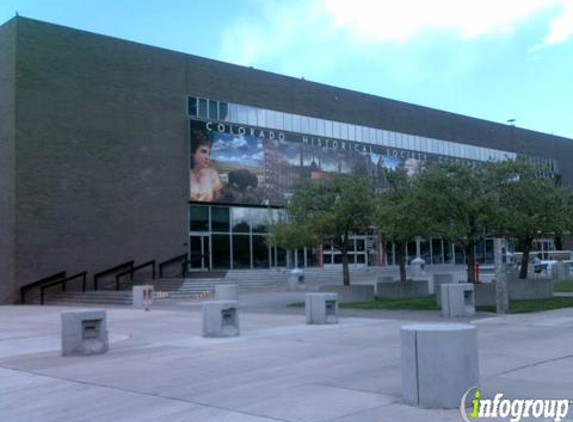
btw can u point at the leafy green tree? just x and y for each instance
(460, 205)
(528, 206)
(328, 211)
(400, 215)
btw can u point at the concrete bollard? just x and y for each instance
(226, 292)
(458, 300)
(439, 279)
(84, 332)
(439, 364)
(221, 318)
(321, 308)
(142, 296)
(296, 279)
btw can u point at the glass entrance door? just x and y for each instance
(199, 252)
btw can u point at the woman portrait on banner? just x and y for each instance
(206, 184)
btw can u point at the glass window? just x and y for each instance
(220, 219)
(213, 109)
(281, 257)
(260, 252)
(233, 113)
(322, 127)
(241, 251)
(221, 251)
(288, 122)
(192, 106)
(242, 114)
(202, 107)
(261, 117)
(437, 254)
(199, 216)
(300, 124)
(259, 220)
(343, 131)
(252, 116)
(373, 136)
(279, 120)
(241, 222)
(223, 111)
(270, 118)
(336, 130)
(296, 123)
(313, 126)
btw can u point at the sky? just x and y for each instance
(495, 60)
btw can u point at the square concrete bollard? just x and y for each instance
(439, 279)
(142, 296)
(226, 292)
(84, 332)
(296, 279)
(439, 364)
(221, 318)
(458, 300)
(321, 308)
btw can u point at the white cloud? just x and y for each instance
(315, 39)
(561, 28)
(279, 26)
(389, 20)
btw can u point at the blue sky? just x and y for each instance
(495, 60)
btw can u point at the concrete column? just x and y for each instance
(439, 364)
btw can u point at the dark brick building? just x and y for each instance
(95, 151)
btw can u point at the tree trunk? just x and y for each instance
(525, 259)
(345, 267)
(402, 260)
(471, 260)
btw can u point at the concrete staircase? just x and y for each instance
(203, 287)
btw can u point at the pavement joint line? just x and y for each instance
(532, 365)
(322, 384)
(365, 410)
(142, 393)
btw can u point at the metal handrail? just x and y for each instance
(133, 270)
(39, 283)
(113, 270)
(184, 264)
(63, 282)
(163, 264)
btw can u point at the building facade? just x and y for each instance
(101, 155)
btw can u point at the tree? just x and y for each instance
(400, 216)
(460, 205)
(528, 206)
(328, 211)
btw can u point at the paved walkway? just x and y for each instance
(159, 368)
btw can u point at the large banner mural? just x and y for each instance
(234, 164)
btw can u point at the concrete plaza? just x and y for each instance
(160, 368)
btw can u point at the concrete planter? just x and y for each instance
(402, 290)
(346, 294)
(518, 289)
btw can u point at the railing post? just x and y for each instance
(84, 282)
(153, 270)
(41, 295)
